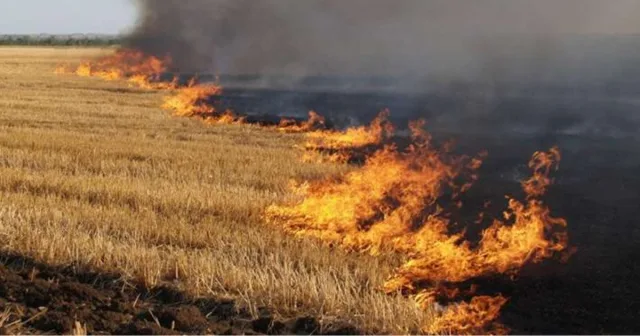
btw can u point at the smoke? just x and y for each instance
(437, 38)
(561, 55)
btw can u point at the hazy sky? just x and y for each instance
(66, 16)
(114, 16)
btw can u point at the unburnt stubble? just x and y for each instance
(94, 173)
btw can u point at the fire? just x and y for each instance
(190, 100)
(475, 317)
(194, 100)
(343, 146)
(391, 204)
(315, 122)
(379, 202)
(139, 69)
(227, 117)
(123, 64)
(147, 82)
(504, 247)
(144, 71)
(379, 130)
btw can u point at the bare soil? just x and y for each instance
(41, 299)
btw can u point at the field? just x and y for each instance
(118, 217)
(95, 177)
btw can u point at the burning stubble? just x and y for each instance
(555, 54)
(398, 213)
(490, 43)
(391, 205)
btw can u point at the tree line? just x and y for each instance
(60, 40)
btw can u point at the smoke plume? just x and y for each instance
(559, 56)
(450, 38)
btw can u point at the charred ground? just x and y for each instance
(594, 190)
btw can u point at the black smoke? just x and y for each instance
(435, 39)
(548, 63)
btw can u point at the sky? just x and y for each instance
(117, 16)
(66, 16)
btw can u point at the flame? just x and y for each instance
(343, 146)
(375, 133)
(228, 117)
(390, 204)
(475, 317)
(147, 82)
(378, 203)
(314, 122)
(193, 100)
(531, 236)
(190, 100)
(123, 64)
(144, 71)
(139, 69)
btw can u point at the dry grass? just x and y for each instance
(94, 173)
(79, 329)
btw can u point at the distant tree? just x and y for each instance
(60, 40)
(45, 39)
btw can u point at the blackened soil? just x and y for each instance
(42, 299)
(596, 190)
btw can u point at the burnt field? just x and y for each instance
(595, 191)
(120, 218)
(595, 188)
(326, 167)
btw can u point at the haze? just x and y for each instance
(444, 38)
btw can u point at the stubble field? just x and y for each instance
(96, 179)
(117, 216)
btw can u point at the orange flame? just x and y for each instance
(123, 64)
(341, 145)
(475, 317)
(140, 69)
(193, 100)
(378, 130)
(390, 204)
(147, 82)
(315, 122)
(532, 236)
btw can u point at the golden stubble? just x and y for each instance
(94, 173)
